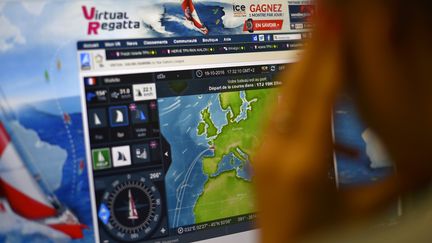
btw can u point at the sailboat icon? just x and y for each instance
(121, 156)
(133, 214)
(140, 115)
(119, 117)
(138, 93)
(101, 161)
(97, 121)
(101, 158)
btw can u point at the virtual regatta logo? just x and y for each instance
(107, 21)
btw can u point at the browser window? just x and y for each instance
(146, 132)
(170, 127)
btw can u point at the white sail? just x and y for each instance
(14, 173)
(97, 121)
(101, 158)
(119, 116)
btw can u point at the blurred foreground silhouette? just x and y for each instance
(380, 53)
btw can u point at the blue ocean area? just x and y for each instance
(244, 107)
(228, 162)
(48, 122)
(217, 115)
(231, 162)
(179, 119)
(348, 132)
(245, 171)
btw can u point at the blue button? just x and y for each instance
(118, 116)
(104, 213)
(85, 60)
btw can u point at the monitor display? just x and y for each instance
(135, 121)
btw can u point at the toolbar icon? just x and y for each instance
(96, 96)
(139, 114)
(98, 59)
(121, 156)
(90, 96)
(118, 116)
(199, 73)
(140, 153)
(101, 159)
(97, 118)
(144, 91)
(85, 61)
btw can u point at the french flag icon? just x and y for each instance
(90, 81)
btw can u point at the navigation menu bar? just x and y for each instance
(176, 41)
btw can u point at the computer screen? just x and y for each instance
(171, 122)
(135, 121)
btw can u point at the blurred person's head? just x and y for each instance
(387, 52)
(380, 51)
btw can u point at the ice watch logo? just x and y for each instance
(239, 10)
(107, 21)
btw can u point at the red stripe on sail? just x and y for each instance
(189, 10)
(4, 138)
(197, 24)
(25, 205)
(75, 231)
(188, 4)
(2, 207)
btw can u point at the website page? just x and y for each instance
(132, 121)
(171, 126)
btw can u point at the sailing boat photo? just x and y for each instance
(23, 194)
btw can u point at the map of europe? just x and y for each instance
(212, 138)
